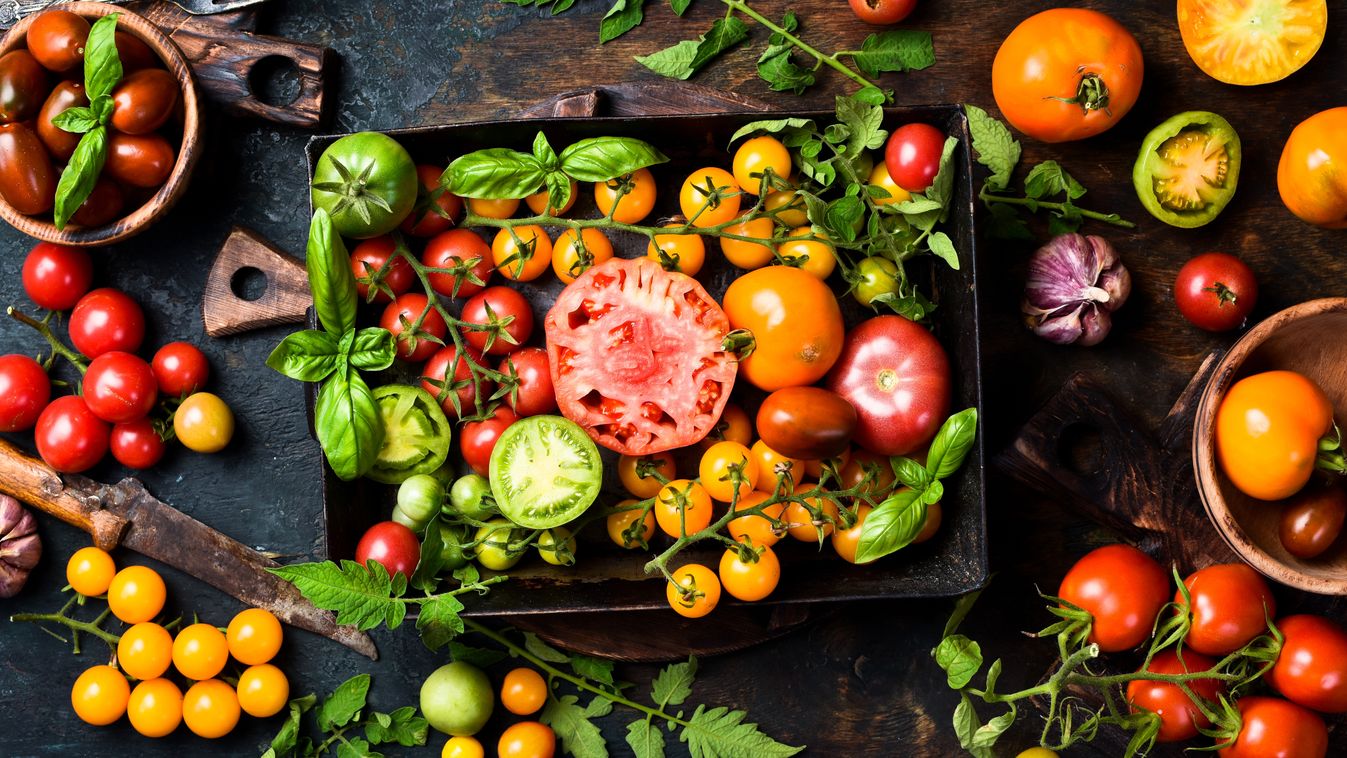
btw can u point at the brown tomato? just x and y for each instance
(143, 101)
(59, 142)
(103, 205)
(27, 178)
(806, 422)
(23, 86)
(140, 160)
(56, 38)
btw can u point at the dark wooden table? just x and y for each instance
(857, 682)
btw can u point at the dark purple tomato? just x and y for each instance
(1313, 520)
(140, 160)
(143, 101)
(23, 86)
(27, 178)
(60, 143)
(135, 54)
(103, 205)
(56, 38)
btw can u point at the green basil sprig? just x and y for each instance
(102, 74)
(346, 417)
(500, 173)
(899, 519)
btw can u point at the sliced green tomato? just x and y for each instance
(1188, 169)
(545, 471)
(416, 434)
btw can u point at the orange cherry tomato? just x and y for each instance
(773, 467)
(200, 651)
(136, 594)
(810, 255)
(1268, 429)
(734, 426)
(145, 651)
(629, 198)
(788, 208)
(537, 202)
(525, 258)
(571, 259)
(1067, 74)
(629, 468)
(621, 521)
(682, 506)
(263, 690)
(254, 636)
(462, 747)
(716, 475)
(99, 695)
(90, 570)
(523, 692)
(155, 707)
(1312, 173)
(709, 196)
(795, 321)
(685, 253)
(812, 523)
(749, 255)
(492, 208)
(211, 709)
(694, 592)
(527, 739)
(758, 530)
(879, 177)
(754, 157)
(845, 541)
(750, 580)
(1252, 41)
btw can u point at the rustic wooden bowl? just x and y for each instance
(188, 148)
(1310, 338)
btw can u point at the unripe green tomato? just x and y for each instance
(557, 546)
(452, 554)
(497, 545)
(457, 699)
(471, 497)
(419, 499)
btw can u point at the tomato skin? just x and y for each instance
(180, 368)
(523, 692)
(27, 178)
(694, 592)
(775, 468)
(749, 255)
(1313, 520)
(399, 317)
(912, 155)
(369, 258)
(144, 100)
(390, 544)
(881, 12)
(1312, 171)
(846, 541)
(807, 422)
(1123, 589)
(89, 571)
(635, 204)
(55, 277)
(1215, 291)
(796, 323)
(757, 529)
(1268, 428)
(525, 259)
(1179, 716)
(136, 594)
(896, 374)
(136, 444)
(755, 156)
(99, 695)
(106, 320)
(25, 391)
(462, 747)
(503, 303)
(203, 423)
(1312, 667)
(1274, 727)
(1040, 67)
(23, 86)
(140, 160)
(534, 394)
(60, 143)
(527, 739)
(714, 470)
(619, 522)
(750, 581)
(437, 369)
(1227, 610)
(425, 220)
(451, 249)
(70, 438)
(814, 256)
(875, 276)
(145, 651)
(120, 387)
(478, 438)
(709, 196)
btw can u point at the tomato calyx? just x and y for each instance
(1091, 94)
(1074, 628)
(1331, 457)
(740, 342)
(353, 192)
(1224, 295)
(494, 327)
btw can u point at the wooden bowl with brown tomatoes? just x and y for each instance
(99, 124)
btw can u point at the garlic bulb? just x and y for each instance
(20, 547)
(1075, 283)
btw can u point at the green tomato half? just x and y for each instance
(1188, 169)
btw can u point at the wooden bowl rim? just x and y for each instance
(188, 151)
(1204, 449)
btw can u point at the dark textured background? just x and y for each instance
(859, 681)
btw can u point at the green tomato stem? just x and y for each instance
(88, 627)
(43, 328)
(1107, 218)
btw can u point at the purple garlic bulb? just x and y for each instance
(1075, 283)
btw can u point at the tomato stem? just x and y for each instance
(1091, 94)
(1107, 218)
(44, 328)
(62, 617)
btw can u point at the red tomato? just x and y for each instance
(455, 248)
(105, 320)
(390, 544)
(1123, 589)
(104, 203)
(432, 214)
(636, 356)
(180, 369)
(1312, 667)
(56, 38)
(1180, 718)
(140, 160)
(1227, 608)
(120, 387)
(882, 11)
(505, 311)
(1276, 728)
(401, 314)
(25, 390)
(70, 438)
(912, 155)
(369, 258)
(478, 438)
(1215, 291)
(897, 376)
(57, 276)
(534, 394)
(136, 444)
(144, 100)
(435, 376)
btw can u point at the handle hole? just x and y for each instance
(274, 80)
(248, 283)
(1079, 447)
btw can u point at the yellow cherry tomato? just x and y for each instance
(556, 546)
(254, 636)
(136, 594)
(462, 747)
(629, 469)
(788, 208)
(527, 739)
(203, 423)
(715, 470)
(682, 506)
(90, 570)
(211, 709)
(537, 202)
(633, 194)
(758, 530)
(263, 690)
(200, 651)
(525, 258)
(709, 196)
(1036, 752)
(774, 467)
(155, 707)
(845, 541)
(814, 468)
(812, 523)
(145, 651)
(815, 256)
(523, 692)
(694, 592)
(879, 177)
(733, 426)
(755, 157)
(100, 695)
(749, 255)
(492, 208)
(678, 252)
(620, 521)
(750, 580)
(570, 259)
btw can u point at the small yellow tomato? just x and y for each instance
(263, 690)
(814, 256)
(155, 708)
(749, 255)
(880, 178)
(694, 592)
(717, 466)
(200, 651)
(788, 208)
(678, 252)
(523, 253)
(498, 209)
(709, 196)
(845, 541)
(254, 636)
(100, 695)
(619, 522)
(755, 157)
(90, 570)
(537, 202)
(203, 423)
(774, 467)
(136, 594)
(211, 709)
(145, 651)
(628, 198)
(571, 259)
(462, 747)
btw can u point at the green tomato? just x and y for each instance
(419, 498)
(1188, 169)
(498, 545)
(452, 554)
(874, 276)
(545, 471)
(367, 182)
(416, 434)
(557, 546)
(457, 699)
(470, 497)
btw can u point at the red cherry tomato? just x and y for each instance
(1312, 667)
(1179, 716)
(106, 320)
(70, 438)
(1273, 727)
(504, 308)
(136, 444)
(120, 387)
(25, 390)
(140, 160)
(432, 215)
(181, 369)
(882, 11)
(912, 155)
(1123, 589)
(478, 438)
(369, 258)
(436, 378)
(534, 393)
(1227, 607)
(450, 250)
(1215, 291)
(391, 544)
(399, 317)
(57, 276)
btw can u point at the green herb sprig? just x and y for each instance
(343, 715)
(102, 74)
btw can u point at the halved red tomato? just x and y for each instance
(636, 356)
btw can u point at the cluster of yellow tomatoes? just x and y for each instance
(156, 706)
(523, 693)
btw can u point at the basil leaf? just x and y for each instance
(76, 119)
(495, 174)
(910, 473)
(80, 174)
(624, 16)
(674, 61)
(102, 107)
(896, 50)
(599, 159)
(330, 277)
(960, 658)
(558, 190)
(725, 33)
(772, 126)
(373, 349)
(349, 428)
(891, 526)
(102, 67)
(542, 150)
(952, 443)
(307, 356)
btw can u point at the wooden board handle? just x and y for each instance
(33, 482)
(223, 61)
(285, 300)
(642, 99)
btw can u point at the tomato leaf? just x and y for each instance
(599, 159)
(874, 95)
(841, 217)
(725, 33)
(774, 126)
(496, 173)
(362, 596)
(307, 356)
(943, 247)
(286, 740)
(895, 50)
(986, 735)
(863, 120)
(1048, 179)
(102, 67)
(679, 7)
(674, 61)
(891, 526)
(624, 16)
(966, 724)
(330, 276)
(373, 349)
(439, 621)
(80, 174)
(960, 658)
(673, 685)
(534, 644)
(1007, 224)
(722, 732)
(952, 443)
(346, 419)
(578, 735)
(344, 703)
(595, 669)
(996, 148)
(781, 73)
(428, 565)
(76, 120)
(645, 739)
(402, 726)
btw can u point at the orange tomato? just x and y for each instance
(492, 208)
(1067, 74)
(145, 651)
(155, 707)
(1268, 429)
(618, 523)
(750, 580)
(688, 514)
(1312, 173)
(137, 594)
(773, 465)
(715, 470)
(570, 260)
(813, 255)
(527, 739)
(879, 177)
(100, 694)
(523, 259)
(709, 196)
(754, 157)
(629, 470)
(263, 690)
(90, 570)
(1252, 41)
(749, 255)
(845, 541)
(759, 530)
(796, 325)
(813, 523)
(733, 426)
(685, 253)
(694, 592)
(523, 692)
(788, 208)
(211, 709)
(633, 195)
